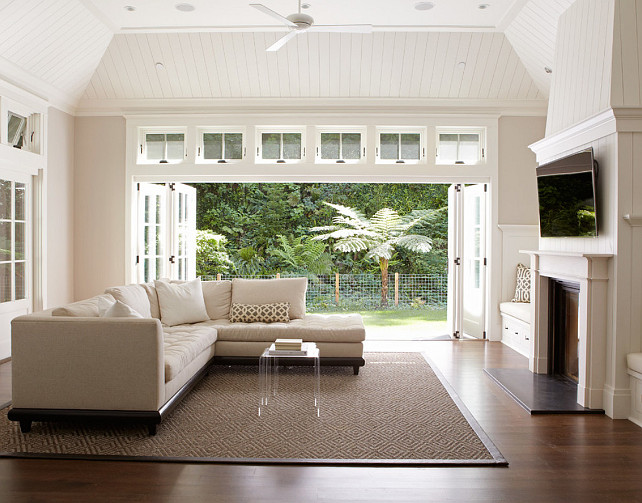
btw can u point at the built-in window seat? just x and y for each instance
(516, 326)
(634, 363)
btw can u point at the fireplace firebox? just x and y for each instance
(563, 331)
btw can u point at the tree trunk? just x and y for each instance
(383, 265)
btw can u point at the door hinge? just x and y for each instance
(485, 187)
(458, 187)
(485, 261)
(483, 153)
(138, 187)
(172, 259)
(456, 334)
(484, 334)
(457, 261)
(137, 259)
(172, 187)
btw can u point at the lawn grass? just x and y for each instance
(402, 317)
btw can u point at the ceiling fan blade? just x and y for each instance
(282, 41)
(275, 15)
(342, 28)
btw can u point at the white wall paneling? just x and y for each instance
(627, 55)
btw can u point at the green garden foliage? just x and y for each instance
(256, 218)
(211, 255)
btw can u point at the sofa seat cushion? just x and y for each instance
(519, 310)
(310, 328)
(183, 343)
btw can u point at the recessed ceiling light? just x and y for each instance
(483, 6)
(185, 7)
(548, 69)
(424, 5)
(305, 5)
(461, 65)
(129, 8)
(159, 66)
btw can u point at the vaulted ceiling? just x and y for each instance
(88, 54)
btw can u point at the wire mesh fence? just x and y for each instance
(363, 292)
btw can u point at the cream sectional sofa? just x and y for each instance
(129, 355)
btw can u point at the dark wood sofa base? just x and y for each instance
(354, 362)
(150, 418)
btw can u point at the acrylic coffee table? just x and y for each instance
(269, 372)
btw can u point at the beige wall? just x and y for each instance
(60, 208)
(99, 223)
(517, 183)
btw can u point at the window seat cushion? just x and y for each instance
(519, 310)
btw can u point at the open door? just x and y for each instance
(467, 260)
(166, 232)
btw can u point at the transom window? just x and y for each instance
(162, 147)
(221, 146)
(340, 146)
(17, 130)
(280, 146)
(459, 146)
(400, 146)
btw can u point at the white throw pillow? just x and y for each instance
(134, 296)
(181, 302)
(120, 310)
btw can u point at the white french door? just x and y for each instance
(166, 232)
(467, 260)
(15, 253)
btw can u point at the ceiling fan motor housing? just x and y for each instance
(302, 21)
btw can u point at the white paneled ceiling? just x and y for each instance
(236, 65)
(57, 42)
(532, 34)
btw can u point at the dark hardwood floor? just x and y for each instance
(569, 458)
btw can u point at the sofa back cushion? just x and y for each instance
(93, 307)
(134, 296)
(150, 290)
(218, 297)
(120, 310)
(181, 302)
(269, 291)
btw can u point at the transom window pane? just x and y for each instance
(17, 130)
(281, 145)
(165, 147)
(459, 148)
(222, 146)
(400, 146)
(340, 146)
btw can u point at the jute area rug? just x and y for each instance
(396, 411)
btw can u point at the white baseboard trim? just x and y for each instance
(616, 402)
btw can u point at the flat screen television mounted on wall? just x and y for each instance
(566, 190)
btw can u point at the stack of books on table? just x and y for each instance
(288, 347)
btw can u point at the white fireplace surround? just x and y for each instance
(590, 271)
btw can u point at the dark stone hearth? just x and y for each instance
(540, 393)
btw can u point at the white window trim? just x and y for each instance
(481, 131)
(200, 149)
(341, 129)
(401, 130)
(142, 149)
(260, 130)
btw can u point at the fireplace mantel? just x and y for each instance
(590, 271)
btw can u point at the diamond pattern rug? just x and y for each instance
(396, 411)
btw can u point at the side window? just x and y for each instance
(460, 146)
(280, 146)
(220, 146)
(162, 147)
(401, 146)
(340, 146)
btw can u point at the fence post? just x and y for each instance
(218, 276)
(278, 275)
(396, 289)
(336, 288)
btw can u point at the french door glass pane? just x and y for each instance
(20, 201)
(5, 200)
(175, 149)
(291, 145)
(5, 282)
(351, 145)
(410, 146)
(330, 146)
(21, 290)
(271, 145)
(159, 243)
(20, 241)
(155, 146)
(233, 146)
(212, 145)
(389, 146)
(146, 239)
(5, 241)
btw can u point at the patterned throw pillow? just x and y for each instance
(266, 313)
(523, 285)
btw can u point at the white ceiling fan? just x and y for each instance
(301, 23)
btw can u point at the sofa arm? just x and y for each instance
(61, 362)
